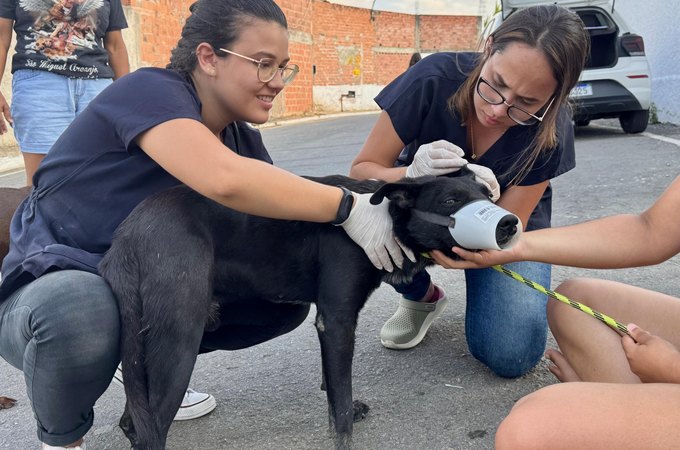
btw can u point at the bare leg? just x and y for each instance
(595, 416)
(31, 163)
(592, 349)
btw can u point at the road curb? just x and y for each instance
(284, 121)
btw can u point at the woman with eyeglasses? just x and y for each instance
(501, 112)
(151, 130)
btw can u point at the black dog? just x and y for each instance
(212, 254)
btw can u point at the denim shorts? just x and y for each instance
(44, 104)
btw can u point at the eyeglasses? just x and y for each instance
(267, 68)
(491, 95)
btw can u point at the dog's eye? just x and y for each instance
(450, 201)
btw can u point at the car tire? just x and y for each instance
(634, 121)
(582, 123)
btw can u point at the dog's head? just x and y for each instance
(421, 209)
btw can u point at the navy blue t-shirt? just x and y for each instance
(95, 174)
(417, 103)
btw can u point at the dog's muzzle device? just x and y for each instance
(479, 225)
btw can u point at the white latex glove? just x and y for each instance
(436, 158)
(370, 226)
(485, 176)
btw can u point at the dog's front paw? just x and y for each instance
(360, 410)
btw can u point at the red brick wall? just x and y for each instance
(439, 33)
(347, 46)
(160, 26)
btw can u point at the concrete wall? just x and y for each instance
(657, 23)
(338, 48)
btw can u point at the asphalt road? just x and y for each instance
(435, 396)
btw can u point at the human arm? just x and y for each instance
(651, 358)
(190, 152)
(118, 55)
(5, 41)
(619, 241)
(380, 151)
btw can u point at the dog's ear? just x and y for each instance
(401, 193)
(463, 172)
(466, 172)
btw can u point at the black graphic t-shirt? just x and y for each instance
(63, 36)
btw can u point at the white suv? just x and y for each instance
(616, 80)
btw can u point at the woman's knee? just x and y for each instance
(78, 309)
(509, 351)
(583, 290)
(576, 287)
(523, 428)
(514, 363)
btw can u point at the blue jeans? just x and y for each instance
(62, 331)
(45, 103)
(505, 321)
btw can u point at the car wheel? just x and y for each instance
(634, 121)
(582, 123)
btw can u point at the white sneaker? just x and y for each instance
(50, 447)
(194, 404)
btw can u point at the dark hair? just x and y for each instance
(561, 36)
(414, 59)
(219, 23)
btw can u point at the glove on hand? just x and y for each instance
(436, 158)
(370, 226)
(485, 176)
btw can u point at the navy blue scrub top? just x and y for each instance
(95, 174)
(417, 103)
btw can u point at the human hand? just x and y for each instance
(6, 115)
(481, 258)
(370, 226)
(651, 358)
(436, 158)
(485, 176)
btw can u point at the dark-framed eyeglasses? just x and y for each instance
(267, 68)
(491, 95)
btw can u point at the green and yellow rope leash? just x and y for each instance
(617, 326)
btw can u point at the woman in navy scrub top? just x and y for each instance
(503, 110)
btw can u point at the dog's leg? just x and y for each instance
(125, 424)
(164, 308)
(178, 313)
(336, 323)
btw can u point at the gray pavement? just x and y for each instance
(435, 396)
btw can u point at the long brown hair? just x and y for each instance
(561, 36)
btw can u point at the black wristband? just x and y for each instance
(345, 206)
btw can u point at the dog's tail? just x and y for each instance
(143, 430)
